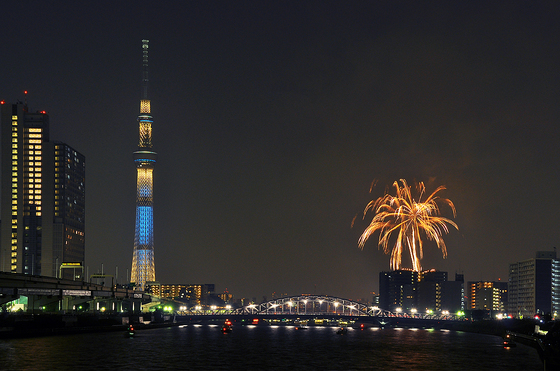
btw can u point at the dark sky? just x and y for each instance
(271, 120)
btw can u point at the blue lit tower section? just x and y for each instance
(143, 266)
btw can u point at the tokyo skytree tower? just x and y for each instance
(143, 266)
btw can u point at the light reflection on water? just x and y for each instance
(267, 348)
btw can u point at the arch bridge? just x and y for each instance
(312, 305)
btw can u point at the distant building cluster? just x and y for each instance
(191, 294)
(411, 291)
(533, 289)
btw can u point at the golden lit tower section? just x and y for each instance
(143, 265)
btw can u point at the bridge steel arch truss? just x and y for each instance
(313, 305)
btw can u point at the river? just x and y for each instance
(205, 347)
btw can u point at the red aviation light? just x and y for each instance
(44, 112)
(2, 102)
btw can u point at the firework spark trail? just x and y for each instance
(410, 218)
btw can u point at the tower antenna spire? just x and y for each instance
(145, 79)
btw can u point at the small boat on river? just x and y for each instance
(130, 331)
(227, 326)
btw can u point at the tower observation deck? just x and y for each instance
(143, 265)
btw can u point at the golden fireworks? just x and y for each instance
(409, 218)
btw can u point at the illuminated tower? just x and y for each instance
(143, 266)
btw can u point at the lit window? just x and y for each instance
(14, 145)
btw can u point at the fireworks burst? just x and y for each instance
(410, 219)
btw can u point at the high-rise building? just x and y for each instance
(42, 199)
(397, 289)
(534, 286)
(429, 290)
(68, 209)
(486, 295)
(143, 264)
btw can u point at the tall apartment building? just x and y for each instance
(397, 289)
(42, 197)
(534, 286)
(486, 295)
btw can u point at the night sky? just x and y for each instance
(272, 119)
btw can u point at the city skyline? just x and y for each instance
(273, 120)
